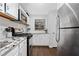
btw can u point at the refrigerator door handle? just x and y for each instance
(57, 38)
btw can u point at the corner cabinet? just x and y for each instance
(12, 9)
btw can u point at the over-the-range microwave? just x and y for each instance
(22, 16)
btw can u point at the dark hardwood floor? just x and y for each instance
(43, 51)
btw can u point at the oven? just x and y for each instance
(29, 45)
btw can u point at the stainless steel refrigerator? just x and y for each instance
(68, 30)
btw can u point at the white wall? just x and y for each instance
(52, 28)
(52, 21)
(32, 23)
(50, 25)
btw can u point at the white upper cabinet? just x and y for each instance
(2, 7)
(12, 9)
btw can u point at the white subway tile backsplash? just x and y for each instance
(2, 33)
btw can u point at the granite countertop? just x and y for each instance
(10, 46)
(16, 40)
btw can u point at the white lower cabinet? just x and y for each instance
(40, 39)
(19, 50)
(13, 52)
(23, 48)
(44, 40)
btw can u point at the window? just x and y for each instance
(39, 24)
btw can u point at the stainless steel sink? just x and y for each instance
(3, 44)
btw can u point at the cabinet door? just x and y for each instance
(13, 52)
(34, 39)
(45, 39)
(40, 40)
(12, 9)
(23, 48)
(2, 7)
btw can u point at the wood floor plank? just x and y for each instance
(43, 51)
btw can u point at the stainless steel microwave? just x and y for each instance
(21, 16)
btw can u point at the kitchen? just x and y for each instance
(23, 28)
(39, 29)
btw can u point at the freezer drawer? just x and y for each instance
(69, 42)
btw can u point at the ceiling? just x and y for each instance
(39, 8)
